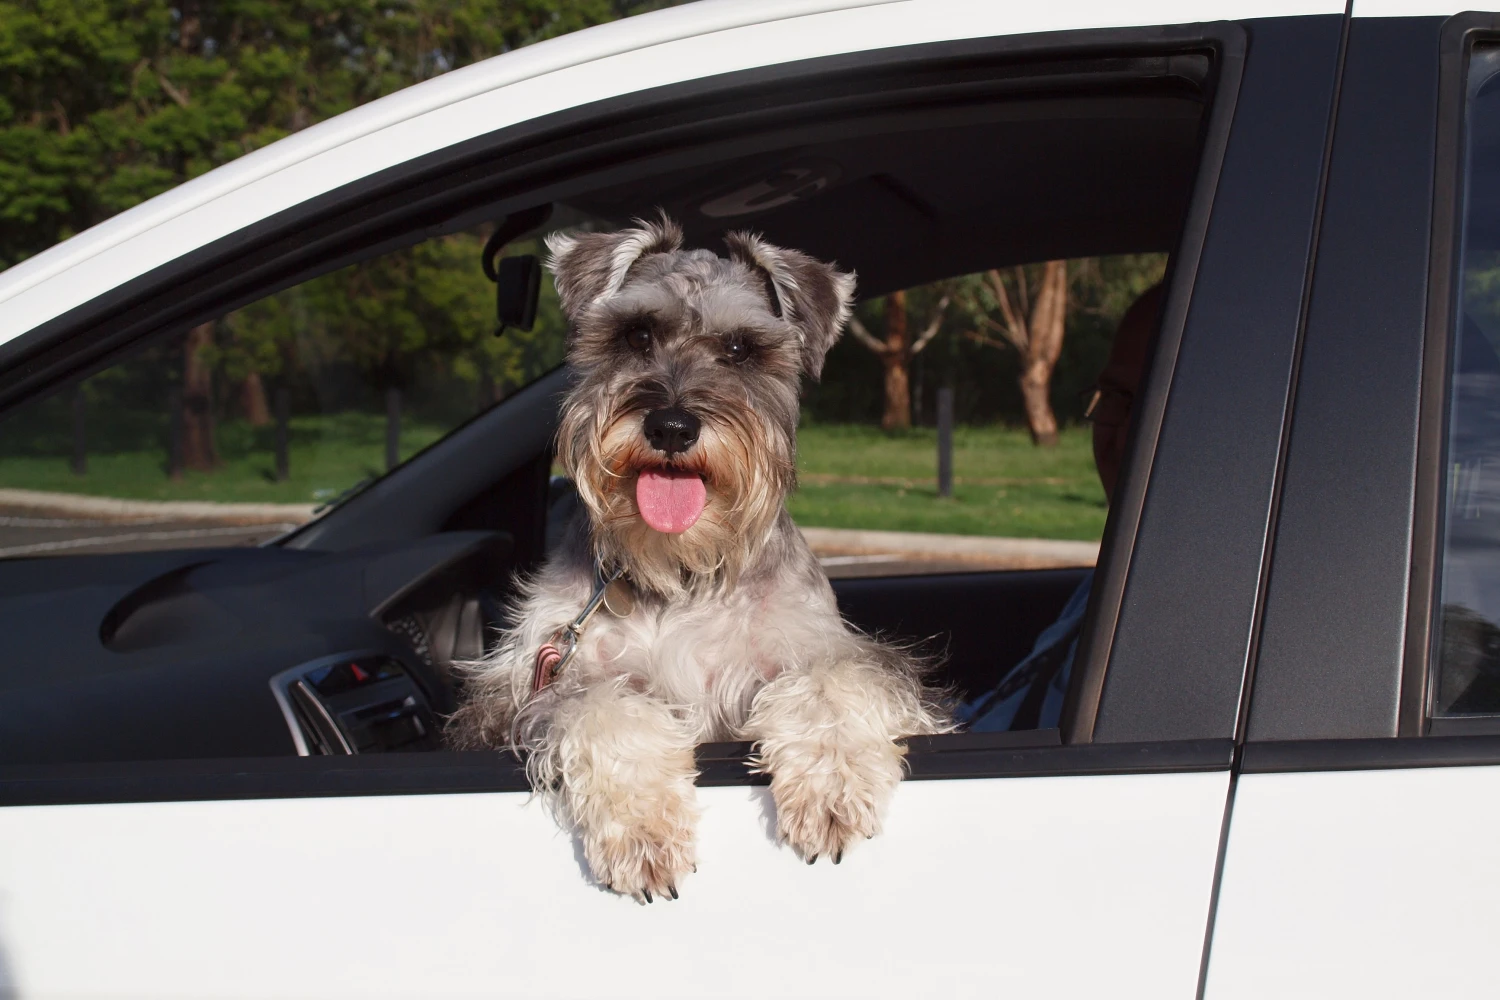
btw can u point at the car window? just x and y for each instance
(246, 426)
(231, 432)
(1467, 678)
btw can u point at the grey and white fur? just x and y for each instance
(734, 633)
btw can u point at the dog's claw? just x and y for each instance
(673, 890)
(647, 894)
(838, 857)
(811, 858)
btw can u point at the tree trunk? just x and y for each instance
(253, 401)
(392, 427)
(283, 433)
(174, 432)
(1044, 345)
(198, 448)
(945, 440)
(897, 381)
(80, 463)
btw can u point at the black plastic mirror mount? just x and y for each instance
(518, 280)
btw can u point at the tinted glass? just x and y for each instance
(1468, 680)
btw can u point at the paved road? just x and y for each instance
(892, 564)
(27, 533)
(33, 531)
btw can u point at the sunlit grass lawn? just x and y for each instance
(855, 476)
(852, 476)
(326, 455)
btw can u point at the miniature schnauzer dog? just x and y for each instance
(685, 606)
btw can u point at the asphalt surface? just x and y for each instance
(29, 533)
(893, 565)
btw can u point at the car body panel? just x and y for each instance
(1371, 884)
(1056, 886)
(1333, 881)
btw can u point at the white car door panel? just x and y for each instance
(1363, 884)
(1357, 860)
(996, 875)
(975, 888)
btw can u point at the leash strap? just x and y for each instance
(557, 652)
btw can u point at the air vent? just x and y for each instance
(354, 703)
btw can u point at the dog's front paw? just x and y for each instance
(828, 799)
(644, 852)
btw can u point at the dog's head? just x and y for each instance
(680, 430)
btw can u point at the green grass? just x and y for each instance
(326, 455)
(855, 476)
(852, 476)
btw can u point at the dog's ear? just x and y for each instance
(590, 267)
(814, 297)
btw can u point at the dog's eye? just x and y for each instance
(736, 349)
(638, 337)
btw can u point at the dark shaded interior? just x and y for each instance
(1013, 183)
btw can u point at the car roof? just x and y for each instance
(678, 44)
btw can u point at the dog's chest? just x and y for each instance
(704, 648)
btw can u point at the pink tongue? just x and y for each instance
(670, 501)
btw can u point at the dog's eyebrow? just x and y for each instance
(636, 316)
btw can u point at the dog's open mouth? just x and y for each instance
(670, 500)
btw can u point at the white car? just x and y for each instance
(1276, 773)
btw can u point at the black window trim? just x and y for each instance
(276, 252)
(1081, 712)
(458, 772)
(1190, 650)
(1459, 35)
(1332, 645)
(1381, 753)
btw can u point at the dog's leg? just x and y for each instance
(620, 766)
(827, 735)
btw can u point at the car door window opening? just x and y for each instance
(958, 168)
(1465, 684)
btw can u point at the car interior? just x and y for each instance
(341, 636)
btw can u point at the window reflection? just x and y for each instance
(1468, 680)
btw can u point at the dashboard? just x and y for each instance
(242, 652)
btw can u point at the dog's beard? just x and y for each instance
(747, 468)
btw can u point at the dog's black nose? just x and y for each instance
(671, 430)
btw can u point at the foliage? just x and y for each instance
(404, 319)
(105, 103)
(1481, 291)
(984, 379)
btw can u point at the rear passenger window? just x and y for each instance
(1468, 673)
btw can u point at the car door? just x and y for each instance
(1354, 863)
(1073, 862)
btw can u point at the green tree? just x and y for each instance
(105, 103)
(1024, 308)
